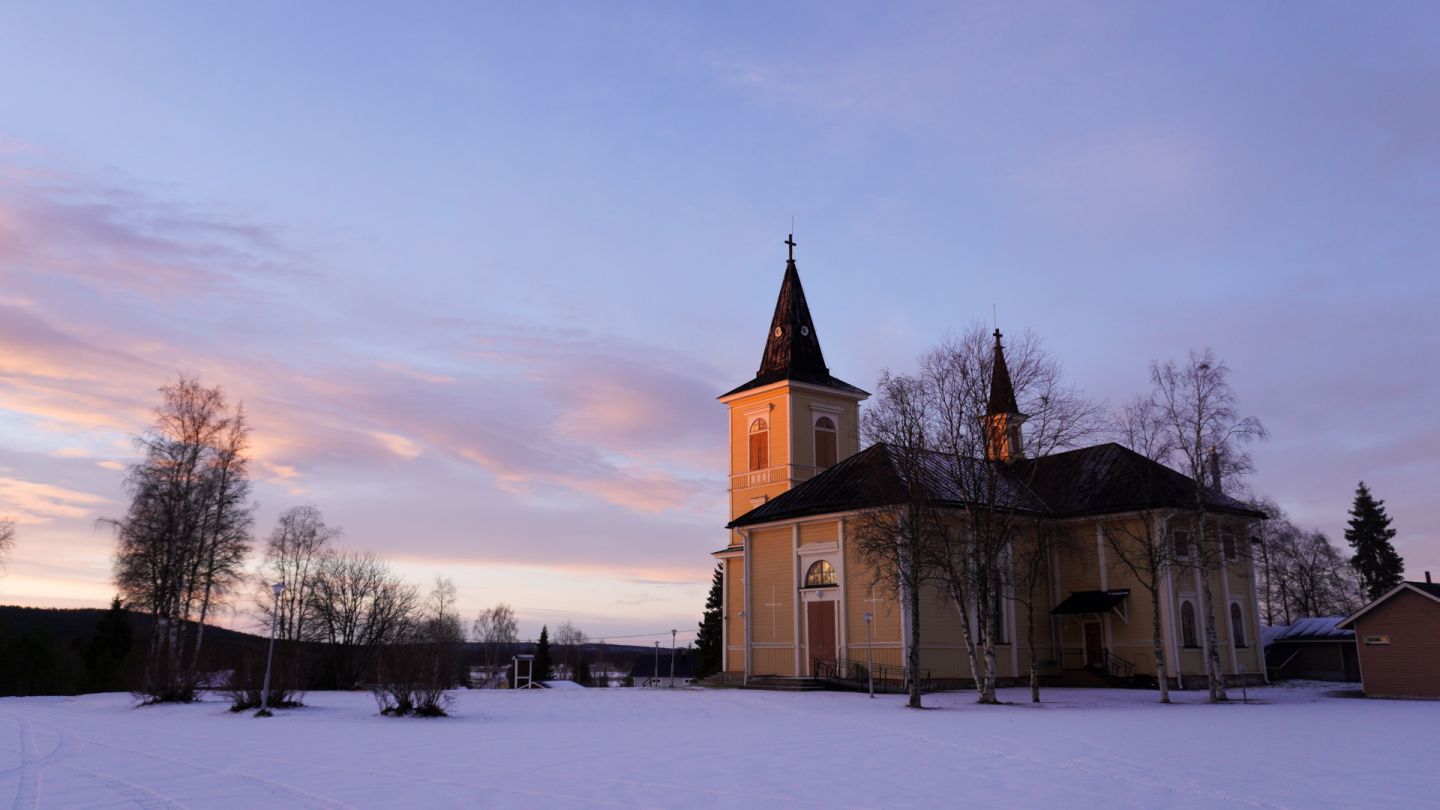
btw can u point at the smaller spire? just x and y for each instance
(1002, 392)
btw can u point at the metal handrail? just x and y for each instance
(856, 674)
(1117, 666)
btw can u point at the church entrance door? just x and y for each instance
(1094, 645)
(820, 621)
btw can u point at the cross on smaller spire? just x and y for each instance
(997, 336)
(790, 240)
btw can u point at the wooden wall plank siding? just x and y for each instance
(772, 599)
(813, 533)
(1409, 666)
(858, 578)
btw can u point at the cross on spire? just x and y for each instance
(997, 336)
(790, 240)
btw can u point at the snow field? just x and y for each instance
(1297, 747)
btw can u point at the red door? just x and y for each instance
(1094, 645)
(821, 624)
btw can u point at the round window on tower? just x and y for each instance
(804, 330)
(778, 330)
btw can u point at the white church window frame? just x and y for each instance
(828, 432)
(821, 574)
(1237, 625)
(758, 444)
(1189, 631)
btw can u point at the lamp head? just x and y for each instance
(278, 588)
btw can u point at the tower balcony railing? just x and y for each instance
(755, 478)
(772, 475)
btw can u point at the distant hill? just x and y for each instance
(67, 624)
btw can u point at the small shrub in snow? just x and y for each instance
(244, 684)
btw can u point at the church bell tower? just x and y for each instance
(794, 419)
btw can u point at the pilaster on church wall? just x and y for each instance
(735, 615)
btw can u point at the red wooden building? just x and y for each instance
(1398, 638)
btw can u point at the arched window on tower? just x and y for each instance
(819, 574)
(759, 445)
(1237, 624)
(1188, 637)
(827, 442)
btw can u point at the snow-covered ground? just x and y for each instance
(1297, 747)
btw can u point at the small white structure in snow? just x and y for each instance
(525, 672)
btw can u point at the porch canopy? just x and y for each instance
(1090, 602)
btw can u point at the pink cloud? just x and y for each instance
(110, 293)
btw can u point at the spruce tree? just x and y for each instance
(108, 649)
(708, 640)
(542, 656)
(1370, 534)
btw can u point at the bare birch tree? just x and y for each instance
(7, 540)
(497, 630)
(225, 529)
(1140, 544)
(569, 639)
(1302, 574)
(293, 554)
(1208, 435)
(892, 538)
(1000, 552)
(357, 605)
(966, 514)
(186, 533)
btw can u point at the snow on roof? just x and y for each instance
(561, 685)
(1322, 628)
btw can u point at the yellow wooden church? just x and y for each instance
(797, 591)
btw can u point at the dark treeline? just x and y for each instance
(54, 651)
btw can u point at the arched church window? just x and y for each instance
(820, 573)
(827, 442)
(1188, 636)
(759, 445)
(1237, 624)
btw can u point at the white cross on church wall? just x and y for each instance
(772, 604)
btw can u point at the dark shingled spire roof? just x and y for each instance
(792, 345)
(1002, 393)
(792, 349)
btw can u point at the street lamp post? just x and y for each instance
(869, 654)
(277, 589)
(657, 663)
(672, 658)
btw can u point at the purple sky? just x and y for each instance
(479, 274)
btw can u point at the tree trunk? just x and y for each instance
(987, 693)
(1030, 646)
(1215, 677)
(912, 658)
(1162, 675)
(968, 635)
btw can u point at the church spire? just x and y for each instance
(1002, 392)
(792, 350)
(1002, 415)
